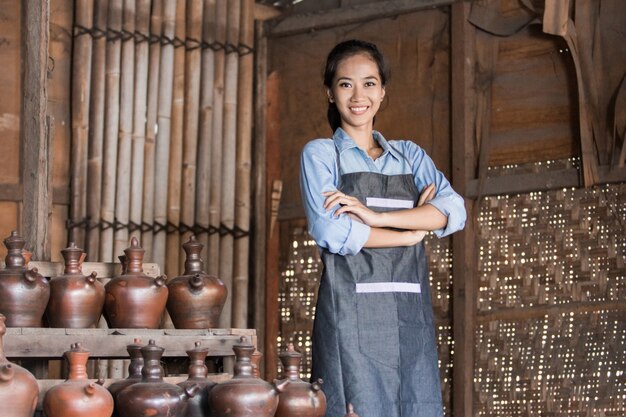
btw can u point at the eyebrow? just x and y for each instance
(369, 77)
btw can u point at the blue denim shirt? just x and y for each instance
(318, 173)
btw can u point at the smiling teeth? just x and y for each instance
(357, 109)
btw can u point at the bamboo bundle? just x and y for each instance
(151, 122)
(81, 90)
(122, 195)
(192, 97)
(142, 27)
(206, 125)
(229, 149)
(215, 191)
(162, 157)
(96, 131)
(176, 147)
(244, 143)
(112, 113)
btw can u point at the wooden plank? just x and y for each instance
(103, 269)
(539, 311)
(302, 23)
(15, 192)
(34, 127)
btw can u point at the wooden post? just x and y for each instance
(34, 134)
(463, 242)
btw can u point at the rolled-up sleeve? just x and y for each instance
(341, 235)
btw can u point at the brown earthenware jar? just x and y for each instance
(77, 396)
(76, 301)
(152, 396)
(244, 395)
(198, 406)
(24, 293)
(195, 298)
(299, 398)
(351, 412)
(134, 371)
(256, 363)
(19, 391)
(135, 300)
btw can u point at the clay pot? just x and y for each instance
(19, 391)
(299, 398)
(198, 406)
(244, 395)
(134, 371)
(135, 300)
(256, 363)
(24, 293)
(152, 396)
(77, 396)
(76, 301)
(195, 298)
(351, 412)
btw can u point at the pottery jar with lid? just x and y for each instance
(198, 406)
(19, 391)
(76, 300)
(24, 293)
(133, 299)
(134, 371)
(195, 298)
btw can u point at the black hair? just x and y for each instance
(342, 51)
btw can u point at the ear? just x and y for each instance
(382, 97)
(329, 93)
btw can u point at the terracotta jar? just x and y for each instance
(76, 301)
(152, 396)
(244, 395)
(77, 396)
(256, 363)
(135, 300)
(24, 293)
(195, 298)
(19, 391)
(351, 412)
(134, 371)
(299, 398)
(198, 406)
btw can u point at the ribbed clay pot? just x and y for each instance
(134, 371)
(76, 301)
(198, 406)
(135, 300)
(19, 391)
(77, 396)
(195, 298)
(24, 293)
(244, 395)
(299, 398)
(152, 396)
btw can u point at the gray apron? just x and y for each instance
(373, 336)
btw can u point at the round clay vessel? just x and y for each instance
(19, 391)
(198, 406)
(256, 363)
(134, 300)
(76, 301)
(244, 395)
(299, 398)
(152, 396)
(195, 298)
(77, 396)
(24, 293)
(134, 371)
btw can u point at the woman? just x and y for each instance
(369, 203)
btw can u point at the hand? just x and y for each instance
(352, 206)
(427, 194)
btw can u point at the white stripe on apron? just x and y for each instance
(388, 203)
(374, 287)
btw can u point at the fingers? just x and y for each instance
(337, 197)
(426, 195)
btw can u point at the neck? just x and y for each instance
(363, 137)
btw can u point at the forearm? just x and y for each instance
(426, 217)
(385, 238)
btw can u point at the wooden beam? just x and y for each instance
(15, 192)
(265, 12)
(539, 311)
(34, 132)
(309, 22)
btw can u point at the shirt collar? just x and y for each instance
(343, 141)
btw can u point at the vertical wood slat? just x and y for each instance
(34, 134)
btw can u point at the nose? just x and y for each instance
(357, 93)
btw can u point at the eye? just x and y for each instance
(345, 84)
(370, 83)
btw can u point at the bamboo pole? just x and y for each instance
(206, 124)
(138, 141)
(124, 150)
(229, 152)
(96, 131)
(166, 79)
(156, 23)
(192, 98)
(215, 192)
(244, 143)
(176, 147)
(112, 113)
(81, 90)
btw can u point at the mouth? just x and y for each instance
(358, 109)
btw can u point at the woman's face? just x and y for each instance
(357, 91)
